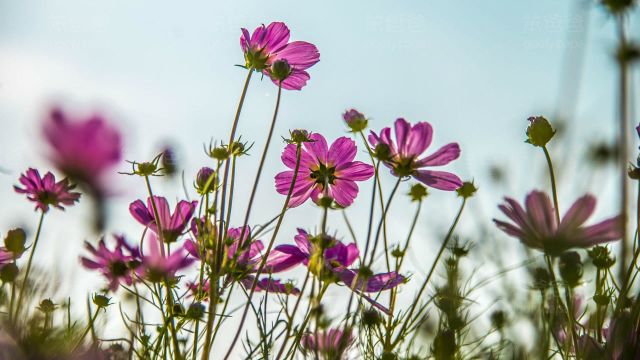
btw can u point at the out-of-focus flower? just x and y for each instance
(329, 345)
(537, 228)
(156, 265)
(355, 120)
(623, 337)
(324, 172)
(84, 149)
(172, 225)
(45, 191)
(330, 259)
(115, 265)
(269, 51)
(206, 180)
(402, 155)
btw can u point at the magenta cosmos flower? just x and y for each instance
(115, 265)
(268, 50)
(402, 155)
(172, 224)
(45, 191)
(333, 262)
(324, 171)
(242, 265)
(84, 149)
(157, 266)
(329, 345)
(536, 226)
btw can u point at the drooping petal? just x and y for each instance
(140, 212)
(403, 129)
(438, 179)
(442, 156)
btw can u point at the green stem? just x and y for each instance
(553, 184)
(275, 231)
(86, 331)
(431, 271)
(26, 275)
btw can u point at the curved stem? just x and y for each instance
(381, 225)
(552, 176)
(26, 275)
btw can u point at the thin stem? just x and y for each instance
(26, 275)
(293, 313)
(381, 224)
(285, 206)
(155, 214)
(622, 150)
(260, 167)
(553, 184)
(431, 271)
(86, 331)
(559, 302)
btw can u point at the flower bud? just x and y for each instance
(617, 7)
(498, 319)
(146, 168)
(168, 161)
(570, 267)
(444, 345)
(539, 131)
(280, 70)
(9, 272)
(178, 309)
(101, 301)
(382, 152)
(298, 136)
(370, 318)
(466, 190)
(601, 257)
(237, 148)
(47, 306)
(220, 153)
(418, 192)
(15, 241)
(205, 180)
(195, 311)
(541, 279)
(388, 355)
(355, 120)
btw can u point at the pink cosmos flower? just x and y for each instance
(84, 149)
(324, 171)
(46, 191)
(156, 265)
(329, 345)
(172, 224)
(536, 226)
(116, 265)
(242, 264)
(269, 45)
(336, 259)
(402, 155)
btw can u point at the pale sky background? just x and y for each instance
(164, 73)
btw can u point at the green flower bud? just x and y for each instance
(418, 192)
(47, 306)
(539, 131)
(498, 319)
(220, 153)
(9, 272)
(355, 120)
(370, 318)
(444, 345)
(298, 136)
(15, 241)
(146, 168)
(101, 301)
(382, 152)
(466, 190)
(570, 267)
(195, 311)
(541, 279)
(280, 70)
(601, 257)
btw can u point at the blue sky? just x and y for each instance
(163, 70)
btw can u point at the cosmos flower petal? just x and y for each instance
(356, 171)
(439, 179)
(300, 55)
(579, 212)
(342, 151)
(442, 156)
(418, 140)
